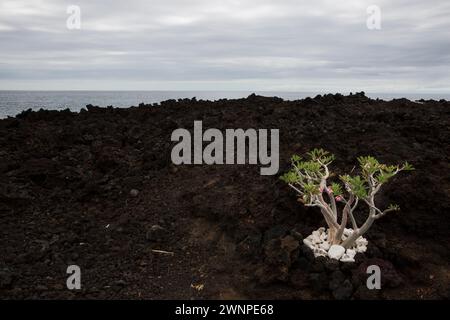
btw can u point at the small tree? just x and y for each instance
(309, 178)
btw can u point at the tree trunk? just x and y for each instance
(357, 233)
(331, 235)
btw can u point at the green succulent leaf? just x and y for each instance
(408, 167)
(321, 155)
(337, 189)
(290, 177)
(394, 207)
(296, 158)
(311, 188)
(384, 176)
(357, 185)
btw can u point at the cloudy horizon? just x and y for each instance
(263, 45)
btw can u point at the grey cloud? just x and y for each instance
(202, 44)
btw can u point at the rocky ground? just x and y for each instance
(98, 189)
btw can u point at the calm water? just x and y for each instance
(14, 102)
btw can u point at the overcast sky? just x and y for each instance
(283, 45)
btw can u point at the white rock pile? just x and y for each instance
(318, 243)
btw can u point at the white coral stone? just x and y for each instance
(351, 253)
(318, 252)
(361, 248)
(308, 243)
(347, 258)
(361, 241)
(325, 245)
(336, 251)
(347, 232)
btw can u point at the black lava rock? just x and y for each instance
(319, 281)
(250, 245)
(6, 279)
(307, 253)
(336, 280)
(344, 291)
(156, 233)
(303, 263)
(275, 232)
(331, 264)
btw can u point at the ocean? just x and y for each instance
(14, 102)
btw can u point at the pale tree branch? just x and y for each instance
(352, 217)
(296, 189)
(378, 216)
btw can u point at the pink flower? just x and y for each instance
(329, 190)
(338, 198)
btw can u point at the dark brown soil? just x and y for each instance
(65, 198)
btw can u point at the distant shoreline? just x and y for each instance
(13, 102)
